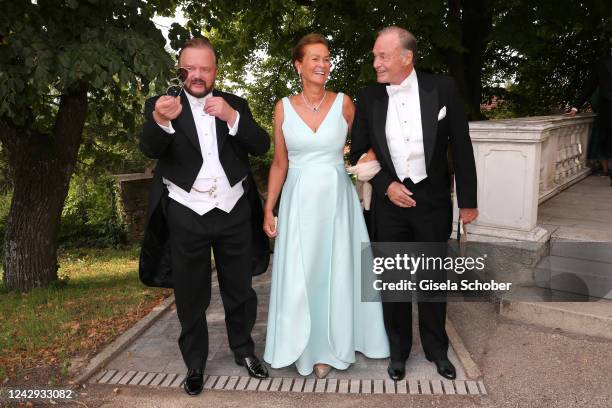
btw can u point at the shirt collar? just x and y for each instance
(197, 101)
(410, 80)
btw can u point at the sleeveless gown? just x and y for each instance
(315, 312)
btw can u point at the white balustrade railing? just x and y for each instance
(521, 163)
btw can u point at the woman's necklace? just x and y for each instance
(315, 109)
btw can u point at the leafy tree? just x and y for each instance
(62, 60)
(542, 47)
(547, 49)
(255, 39)
(70, 65)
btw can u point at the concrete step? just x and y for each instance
(581, 276)
(584, 318)
(591, 251)
(575, 270)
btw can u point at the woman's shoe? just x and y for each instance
(321, 370)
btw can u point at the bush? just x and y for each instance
(91, 215)
(5, 206)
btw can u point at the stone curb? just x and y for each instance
(469, 365)
(120, 343)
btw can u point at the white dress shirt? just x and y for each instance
(211, 188)
(404, 130)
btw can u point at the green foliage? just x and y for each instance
(5, 206)
(92, 213)
(50, 46)
(91, 217)
(542, 47)
(255, 40)
(111, 147)
(547, 49)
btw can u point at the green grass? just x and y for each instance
(97, 297)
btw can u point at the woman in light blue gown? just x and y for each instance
(316, 318)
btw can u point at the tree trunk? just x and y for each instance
(41, 166)
(477, 26)
(472, 20)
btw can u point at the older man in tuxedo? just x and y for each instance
(202, 139)
(408, 120)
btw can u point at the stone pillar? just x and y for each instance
(134, 189)
(520, 163)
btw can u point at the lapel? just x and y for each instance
(428, 100)
(379, 119)
(220, 127)
(187, 123)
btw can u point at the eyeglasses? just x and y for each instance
(178, 83)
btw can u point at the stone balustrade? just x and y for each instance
(521, 163)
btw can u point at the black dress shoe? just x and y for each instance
(446, 369)
(254, 366)
(396, 370)
(194, 382)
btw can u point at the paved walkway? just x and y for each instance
(154, 359)
(582, 212)
(523, 364)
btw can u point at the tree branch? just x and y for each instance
(306, 3)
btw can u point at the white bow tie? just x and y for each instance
(394, 89)
(198, 105)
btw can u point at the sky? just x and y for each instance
(164, 23)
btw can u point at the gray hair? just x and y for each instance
(407, 41)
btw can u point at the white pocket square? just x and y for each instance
(442, 113)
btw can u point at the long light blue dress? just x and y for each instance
(315, 312)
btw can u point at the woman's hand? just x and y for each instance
(269, 224)
(369, 156)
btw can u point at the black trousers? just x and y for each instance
(429, 221)
(191, 238)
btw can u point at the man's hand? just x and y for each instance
(167, 108)
(571, 112)
(217, 107)
(468, 215)
(400, 195)
(369, 156)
